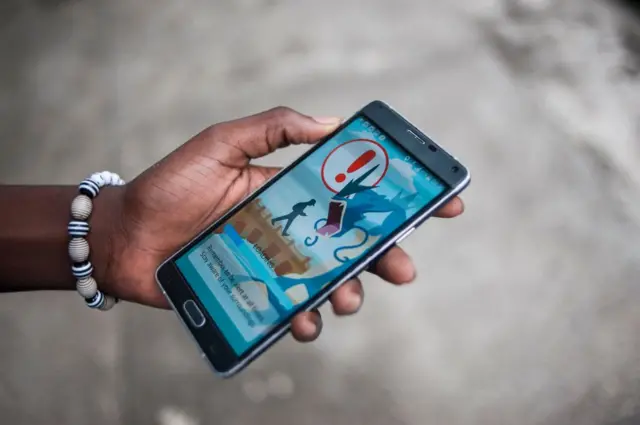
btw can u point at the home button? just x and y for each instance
(193, 313)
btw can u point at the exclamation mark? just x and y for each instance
(360, 162)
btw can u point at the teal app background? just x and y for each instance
(305, 230)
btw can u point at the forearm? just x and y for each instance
(34, 241)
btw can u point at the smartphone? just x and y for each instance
(319, 222)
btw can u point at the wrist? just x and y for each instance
(106, 228)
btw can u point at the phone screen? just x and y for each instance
(305, 230)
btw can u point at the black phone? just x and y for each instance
(316, 224)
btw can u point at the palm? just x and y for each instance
(177, 205)
(171, 202)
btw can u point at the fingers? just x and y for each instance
(347, 299)
(395, 267)
(453, 208)
(261, 134)
(306, 327)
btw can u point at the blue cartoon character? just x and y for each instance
(347, 211)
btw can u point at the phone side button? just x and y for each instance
(193, 313)
(404, 235)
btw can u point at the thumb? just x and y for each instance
(261, 134)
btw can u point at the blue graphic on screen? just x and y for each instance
(305, 230)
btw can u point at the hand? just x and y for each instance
(167, 205)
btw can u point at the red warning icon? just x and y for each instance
(351, 160)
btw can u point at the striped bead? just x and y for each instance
(81, 207)
(80, 270)
(78, 229)
(108, 303)
(87, 287)
(89, 187)
(78, 250)
(96, 301)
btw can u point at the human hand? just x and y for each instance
(177, 198)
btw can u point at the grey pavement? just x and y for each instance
(526, 310)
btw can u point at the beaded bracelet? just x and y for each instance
(79, 228)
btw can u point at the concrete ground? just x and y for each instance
(526, 310)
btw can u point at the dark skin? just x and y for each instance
(136, 227)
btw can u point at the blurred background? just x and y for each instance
(526, 310)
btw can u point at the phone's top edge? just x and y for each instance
(411, 125)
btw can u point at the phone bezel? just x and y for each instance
(213, 345)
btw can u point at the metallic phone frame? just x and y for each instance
(361, 266)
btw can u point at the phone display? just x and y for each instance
(305, 230)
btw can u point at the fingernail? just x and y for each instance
(356, 296)
(356, 302)
(328, 120)
(317, 321)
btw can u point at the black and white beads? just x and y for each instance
(79, 251)
(96, 301)
(89, 188)
(78, 229)
(82, 270)
(101, 301)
